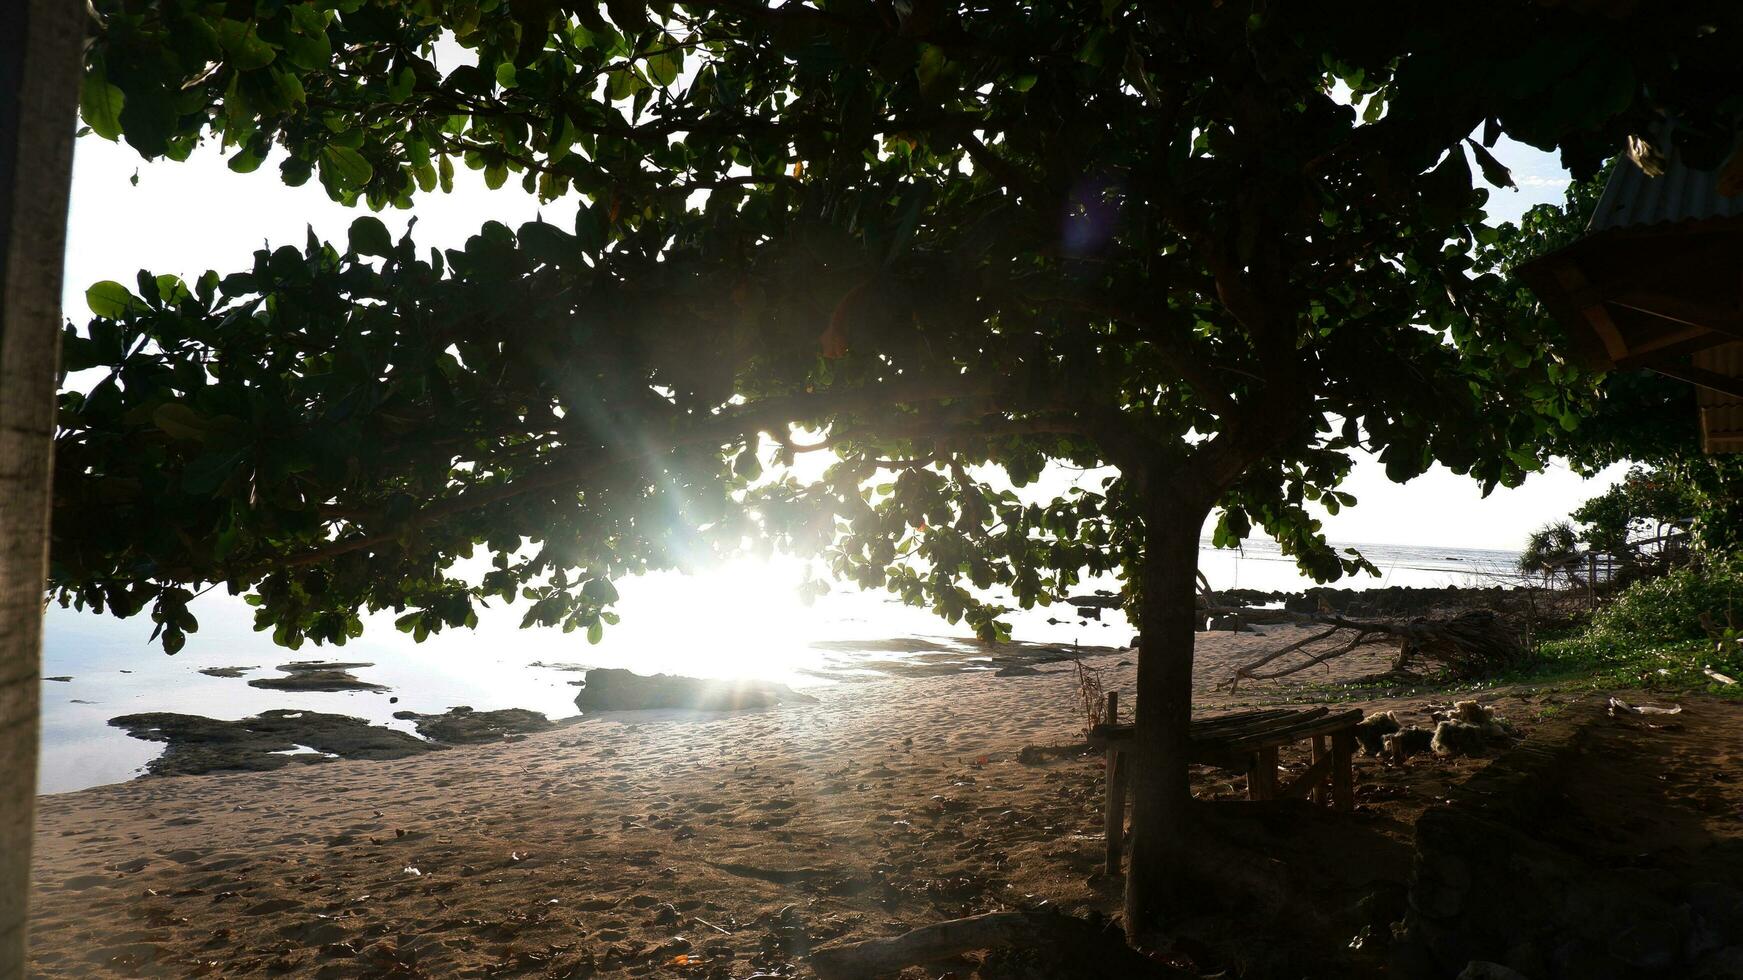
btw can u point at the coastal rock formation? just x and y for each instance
(317, 675)
(616, 689)
(226, 671)
(269, 740)
(463, 726)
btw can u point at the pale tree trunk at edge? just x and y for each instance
(40, 57)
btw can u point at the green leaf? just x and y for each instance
(347, 167)
(505, 74)
(665, 66)
(1493, 171)
(399, 87)
(109, 300)
(180, 422)
(243, 45)
(599, 591)
(622, 83)
(247, 160)
(100, 103)
(368, 236)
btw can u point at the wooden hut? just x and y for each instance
(1657, 283)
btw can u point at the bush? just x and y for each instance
(1651, 634)
(1668, 610)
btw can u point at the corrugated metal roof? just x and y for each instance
(1631, 199)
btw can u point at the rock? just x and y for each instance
(316, 675)
(463, 726)
(269, 740)
(226, 671)
(616, 689)
(1017, 670)
(1485, 970)
(1231, 623)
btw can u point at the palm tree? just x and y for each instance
(1552, 549)
(40, 64)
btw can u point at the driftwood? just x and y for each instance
(1471, 644)
(1089, 944)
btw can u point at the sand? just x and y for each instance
(646, 843)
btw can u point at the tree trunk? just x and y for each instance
(1161, 798)
(39, 88)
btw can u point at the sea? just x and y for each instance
(743, 620)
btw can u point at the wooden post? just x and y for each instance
(1318, 791)
(1343, 776)
(1115, 817)
(1116, 809)
(1262, 774)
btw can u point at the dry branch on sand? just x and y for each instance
(1471, 644)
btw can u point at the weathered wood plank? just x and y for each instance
(1115, 818)
(1343, 776)
(1309, 780)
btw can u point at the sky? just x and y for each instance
(184, 218)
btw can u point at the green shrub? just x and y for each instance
(1651, 635)
(1668, 610)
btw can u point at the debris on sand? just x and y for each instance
(616, 689)
(317, 675)
(1469, 728)
(463, 726)
(63, 680)
(269, 740)
(1406, 742)
(1371, 731)
(1620, 707)
(226, 671)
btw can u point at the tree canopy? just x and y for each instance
(1217, 246)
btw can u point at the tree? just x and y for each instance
(39, 69)
(1214, 245)
(1551, 550)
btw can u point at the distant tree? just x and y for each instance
(1641, 519)
(1551, 550)
(1215, 245)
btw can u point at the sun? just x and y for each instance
(742, 618)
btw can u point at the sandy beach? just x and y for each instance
(646, 843)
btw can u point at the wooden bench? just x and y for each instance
(1243, 741)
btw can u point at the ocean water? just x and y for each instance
(744, 621)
